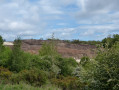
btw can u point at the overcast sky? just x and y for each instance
(67, 19)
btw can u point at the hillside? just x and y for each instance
(64, 48)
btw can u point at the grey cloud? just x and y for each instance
(98, 10)
(95, 5)
(21, 17)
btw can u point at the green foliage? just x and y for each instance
(34, 77)
(108, 63)
(17, 61)
(1, 41)
(4, 56)
(103, 72)
(110, 41)
(67, 66)
(5, 73)
(52, 61)
(68, 83)
(84, 60)
(45, 63)
(54, 65)
(23, 86)
(5, 53)
(75, 41)
(1, 44)
(48, 49)
(48, 58)
(17, 87)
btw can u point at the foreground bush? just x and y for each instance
(67, 66)
(5, 74)
(34, 77)
(103, 72)
(68, 83)
(23, 86)
(84, 60)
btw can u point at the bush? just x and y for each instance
(4, 56)
(42, 63)
(48, 49)
(33, 77)
(103, 72)
(84, 42)
(84, 60)
(68, 83)
(46, 63)
(23, 86)
(110, 41)
(67, 66)
(5, 74)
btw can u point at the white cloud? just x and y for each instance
(28, 19)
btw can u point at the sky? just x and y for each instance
(67, 19)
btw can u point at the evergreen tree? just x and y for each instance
(17, 62)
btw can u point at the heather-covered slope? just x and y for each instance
(64, 48)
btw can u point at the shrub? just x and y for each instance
(46, 63)
(103, 72)
(110, 41)
(5, 73)
(67, 66)
(67, 83)
(84, 60)
(33, 77)
(4, 56)
(48, 49)
(23, 86)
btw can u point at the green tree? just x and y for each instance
(5, 53)
(48, 53)
(17, 61)
(4, 56)
(48, 49)
(103, 72)
(110, 41)
(1, 43)
(67, 66)
(84, 60)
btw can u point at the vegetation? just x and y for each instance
(76, 41)
(50, 71)
(110, 40)
(23, 86)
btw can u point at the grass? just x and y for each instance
(22, 86)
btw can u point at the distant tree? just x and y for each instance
(76, 41)
(41, 38)
(48, 49)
